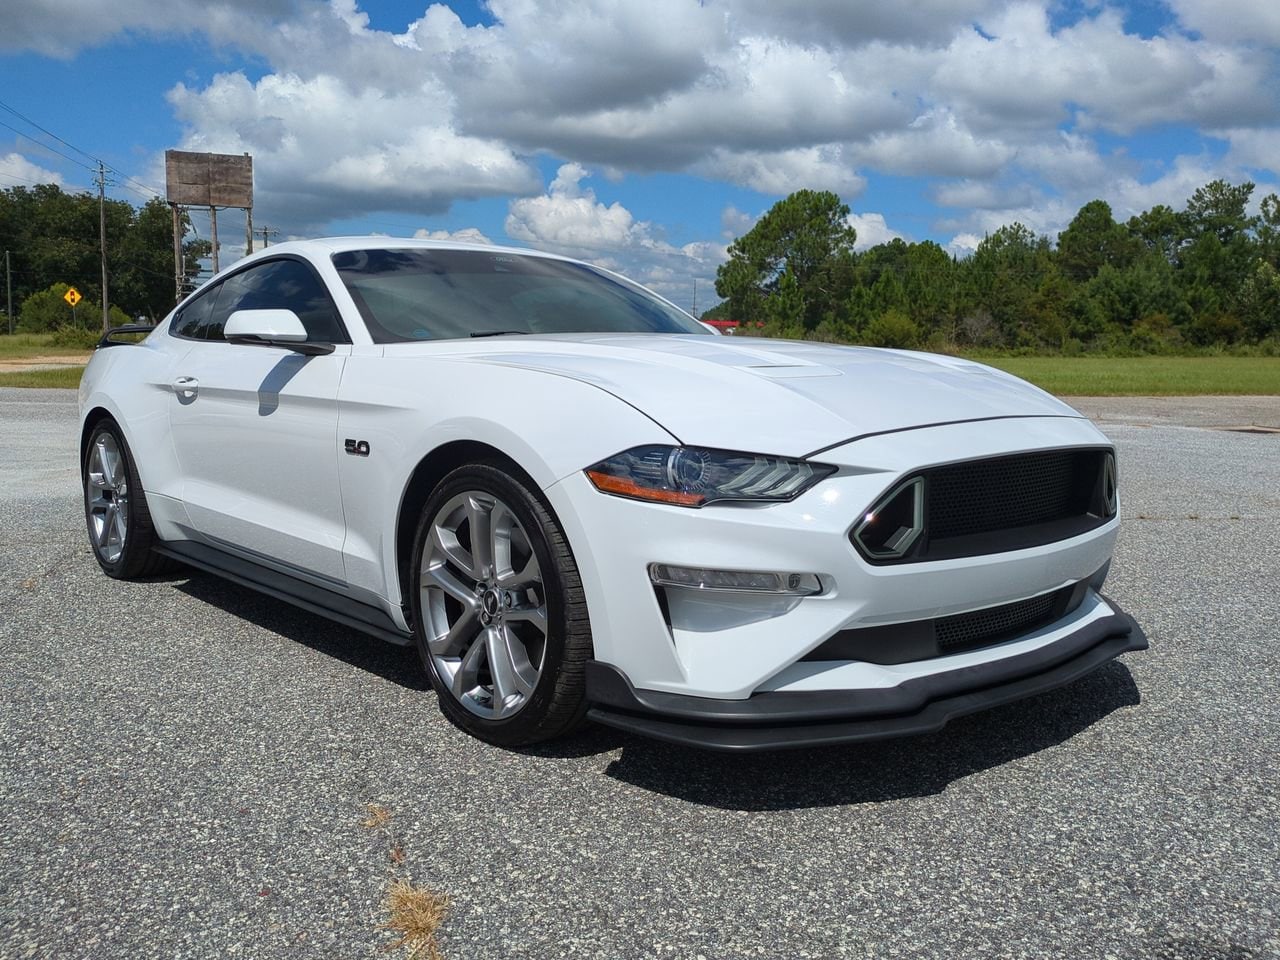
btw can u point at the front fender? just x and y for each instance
(405, 408)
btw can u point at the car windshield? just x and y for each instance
(424, 294)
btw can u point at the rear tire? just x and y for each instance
(499, 613)
(115, 509)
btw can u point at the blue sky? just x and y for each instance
(647, 136)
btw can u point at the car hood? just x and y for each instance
(784, 397)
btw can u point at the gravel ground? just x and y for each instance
(185, 766)
(1223, 413)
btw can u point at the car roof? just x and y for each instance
(325, 246)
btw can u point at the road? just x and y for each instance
(185, 768)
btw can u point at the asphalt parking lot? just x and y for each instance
(185, 768)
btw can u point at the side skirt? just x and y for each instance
(351, 613)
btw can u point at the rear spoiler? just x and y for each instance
(106, 340)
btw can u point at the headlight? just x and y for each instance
(694, 476)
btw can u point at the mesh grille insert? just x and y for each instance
(965, 631)
(986, 495)
(1000, 504)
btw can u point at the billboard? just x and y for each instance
(208, 179)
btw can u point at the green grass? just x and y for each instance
(15, 346)
(1066, 376)
(61, 377)
(1145, 376)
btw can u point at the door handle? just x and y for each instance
(186, 387)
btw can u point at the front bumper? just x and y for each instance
(726, 646)
(778, 719)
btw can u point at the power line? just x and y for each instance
(148, 195)
(47, 133)
(150, 190)
(45, 146)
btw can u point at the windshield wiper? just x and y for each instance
(500, 333)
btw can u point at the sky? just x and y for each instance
(645, 135)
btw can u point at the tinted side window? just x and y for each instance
(193, 319)
(281, 284)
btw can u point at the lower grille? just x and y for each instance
(926, 639)
(967, 631)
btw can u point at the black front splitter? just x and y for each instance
(781, 720)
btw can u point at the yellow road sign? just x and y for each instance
(72, 296)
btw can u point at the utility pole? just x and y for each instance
(266, 231)
(102, 241)
(213, 229)
(8, 283)
(178, 264)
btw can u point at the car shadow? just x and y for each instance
(277, 379)
(875, 772)
(400, 665)
(897, 769)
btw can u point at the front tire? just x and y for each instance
(115, 508)
(499, 613)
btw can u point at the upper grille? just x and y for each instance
(989, 506)
(984, 495)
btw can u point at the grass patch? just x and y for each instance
(59, 377)
(17, 346)
(415, 915)
(378, 816)
(1145, 376)
(1065, 376)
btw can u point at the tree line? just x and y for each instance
(1165, 281)
(52, 239)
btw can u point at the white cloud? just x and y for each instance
(963, 244)
(1247, 21)
(984, 195)
(840, 22)
(1005, 100)
(1020, 72)
(784, 171)
(465, 235)
(756, 98)
(1129, 196)
(570, 220)
(734, 223)
(872, 230)
(1071, 161)
(935, 143)
(323, 150)
(1045, 217)
(60, 28)
(1255, 148)
(983, 208)
(15, 167)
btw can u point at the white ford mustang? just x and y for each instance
(577, 501)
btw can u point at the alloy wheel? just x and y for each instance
(107, 489)
(483, 604)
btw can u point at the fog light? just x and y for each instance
(751, 581)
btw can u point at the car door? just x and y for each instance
(255, 427)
